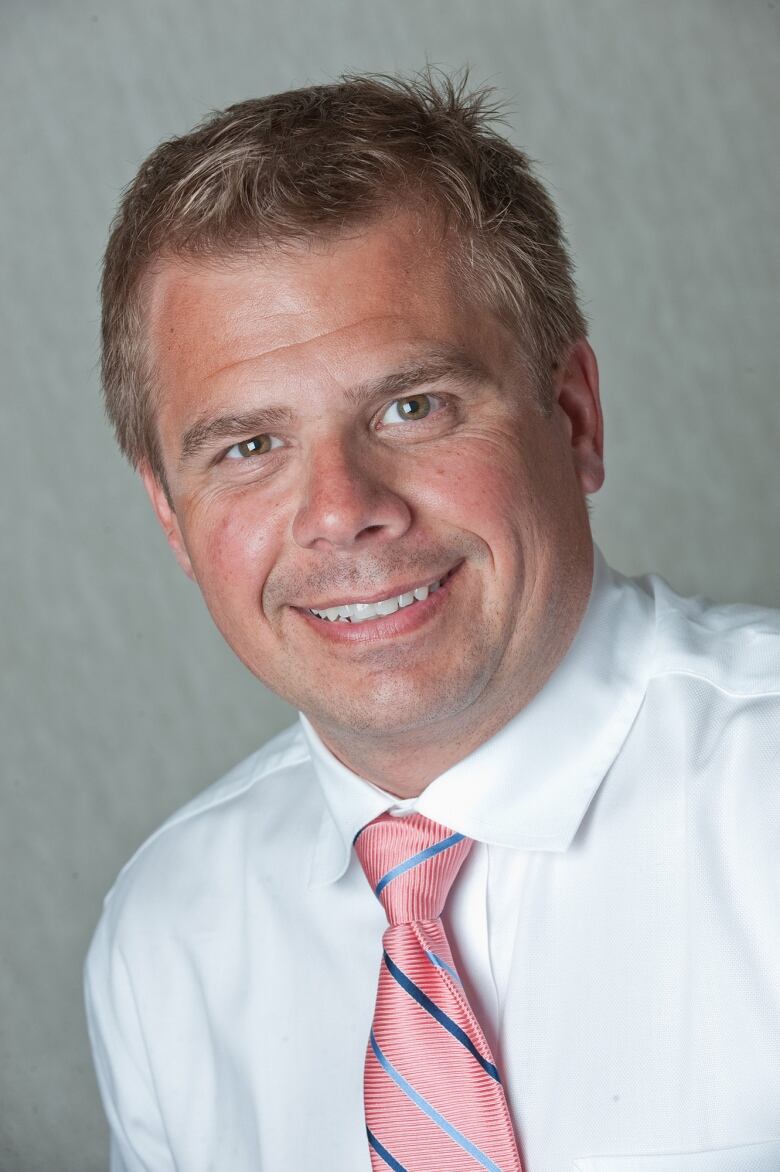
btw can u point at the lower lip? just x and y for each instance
(401, 622)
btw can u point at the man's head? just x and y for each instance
(354, 410)
(314, 163)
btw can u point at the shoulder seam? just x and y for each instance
(681, 671)
(186, 813)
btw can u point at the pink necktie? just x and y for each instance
(434, 1100)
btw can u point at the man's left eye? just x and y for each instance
(410, 408)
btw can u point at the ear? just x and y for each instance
(578, 402)
(167, 517)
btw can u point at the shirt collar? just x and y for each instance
(530, 785)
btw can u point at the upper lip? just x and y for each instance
(388, 592)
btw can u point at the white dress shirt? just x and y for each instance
(615, 925)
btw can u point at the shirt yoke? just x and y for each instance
(284, 751)
(734, 647)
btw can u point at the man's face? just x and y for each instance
(337, 430)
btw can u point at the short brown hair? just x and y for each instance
(311, 162)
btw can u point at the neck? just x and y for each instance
(405, 764)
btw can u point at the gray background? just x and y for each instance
(656, 125)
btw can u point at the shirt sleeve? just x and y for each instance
(138, 1139)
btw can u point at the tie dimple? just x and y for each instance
(433, 1096)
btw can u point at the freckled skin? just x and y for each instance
(350, 500)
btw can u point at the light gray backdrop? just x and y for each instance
(656, 125)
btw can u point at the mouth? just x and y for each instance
(361, 612)
(381, 617)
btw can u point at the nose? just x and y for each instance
(347, 500)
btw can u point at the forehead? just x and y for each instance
(340, 309)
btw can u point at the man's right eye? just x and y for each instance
(258, 445)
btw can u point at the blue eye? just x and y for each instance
(409, 409)
(258, 445)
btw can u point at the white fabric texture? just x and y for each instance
(615, 925)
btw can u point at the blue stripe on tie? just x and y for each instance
(442, 964)
(415, 860)
(383, 1152)
(441, 1017)
(430, 1111)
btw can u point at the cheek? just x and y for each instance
(233, 548)
(478, 491)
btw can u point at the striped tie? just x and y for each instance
(434, 1100)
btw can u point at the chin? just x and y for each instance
(397, 708)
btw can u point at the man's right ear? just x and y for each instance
(167, 518)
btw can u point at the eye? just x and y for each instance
(258, 445)
(410, 408)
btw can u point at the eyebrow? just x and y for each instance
(435, 365)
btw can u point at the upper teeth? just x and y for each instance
(358, 612)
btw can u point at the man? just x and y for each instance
(343, 348)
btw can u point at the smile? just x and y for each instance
(358, 612)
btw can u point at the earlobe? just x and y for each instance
(578, 399)
(167, 518)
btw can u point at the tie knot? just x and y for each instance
(411, 863)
